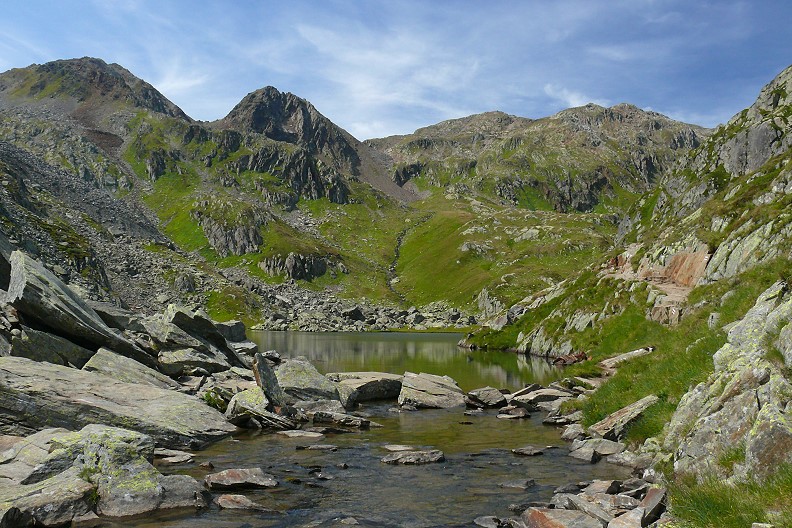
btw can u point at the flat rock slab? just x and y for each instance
(428, 391)
(396, 448)
(552, 518)
(297, 433)
(631, 519)
(613, 426)
(345, 420)
(317, 447)
(125, 369)
(240, 502)
(240, 478)
(414, 458)
(615, 361)
(34, 396)
(528, 451)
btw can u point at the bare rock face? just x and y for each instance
(744, 404)
(35, 395)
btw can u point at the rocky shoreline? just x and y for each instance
(92, 395)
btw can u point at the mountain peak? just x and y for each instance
(86, 81)
(281, 116)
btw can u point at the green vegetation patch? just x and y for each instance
(714, 503)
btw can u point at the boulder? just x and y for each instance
(554, 518)
(414, 458)
(300, 380)
(528, 451)
(52, 502)
(487, 397)
(344, 420)
(613, 426)
(99, 468)
(355, 387)
(268, 381)
(533, 398)
(233, 331)
(41, 346)
(116, 317)
(593, 449)
(253, 404)
(631, 519)
(128, 370)
(195, 323)
(40, 296)
(239, 502)
(34, 396)
(429, 391)
(240, 478)
(176, 362)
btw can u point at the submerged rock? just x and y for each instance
(414, 457)
(240, 478)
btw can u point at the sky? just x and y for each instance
(384, 67)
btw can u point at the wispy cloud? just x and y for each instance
(571, 98)
(381, 67)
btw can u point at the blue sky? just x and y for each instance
(388, 67)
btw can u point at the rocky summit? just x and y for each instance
(646, 262)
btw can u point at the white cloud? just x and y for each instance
(571, 98)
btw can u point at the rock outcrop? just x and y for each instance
(744, 406)
(36, 395)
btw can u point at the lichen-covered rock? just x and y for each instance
(613, 426)
(744, 405)
(414, 458)
(35, 396)
(300, 380)
(57, 475)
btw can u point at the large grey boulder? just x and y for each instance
(429, 391)
(122, 368)
(176, 362)
(35, 396)
(487, 397)
(42, 297)
(355, 387)
(41, 346)
(300, 380)
(52, 502)
(233, 331)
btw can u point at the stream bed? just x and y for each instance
(350, 486)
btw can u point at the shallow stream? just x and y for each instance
(479, 477)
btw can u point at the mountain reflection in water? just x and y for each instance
(396, 353)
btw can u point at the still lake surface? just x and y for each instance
(480, 476)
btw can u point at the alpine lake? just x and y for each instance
(351, 486)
